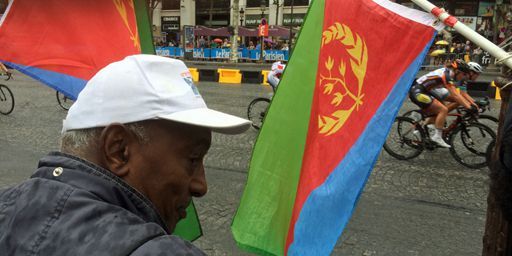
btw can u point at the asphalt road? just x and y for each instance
(427, 206)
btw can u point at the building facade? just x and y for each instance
(170, 16)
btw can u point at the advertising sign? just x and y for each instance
(486, 9)
(469, 21)
(189, 38)
(170, 23)
(263, 28)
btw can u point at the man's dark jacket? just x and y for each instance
(72, 207)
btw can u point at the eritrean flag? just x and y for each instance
(348, 76)
(63, 43)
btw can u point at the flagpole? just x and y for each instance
(473, 36)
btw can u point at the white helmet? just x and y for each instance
(475, 67)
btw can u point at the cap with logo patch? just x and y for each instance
(145, 87)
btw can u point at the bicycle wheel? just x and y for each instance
(489, 121)
(469, 144)
(64, 101)
(6, 100)
(257, 110)
(405, 139)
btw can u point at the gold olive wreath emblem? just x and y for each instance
(335, 85)
(121, 8)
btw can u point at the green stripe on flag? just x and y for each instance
(262, 220)
(144, 27)
(188, 228)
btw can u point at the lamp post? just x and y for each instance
(291, 28)
(242, 39)
(263, 5)
(242, 16)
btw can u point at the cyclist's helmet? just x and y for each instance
(460, 65)
(475, 67)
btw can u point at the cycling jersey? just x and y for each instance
(431, 86)
(275, 73)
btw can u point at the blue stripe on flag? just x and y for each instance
(68, 85)
(328, 208)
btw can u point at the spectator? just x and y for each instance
(202, 42)
(251, 45)
(128, 168)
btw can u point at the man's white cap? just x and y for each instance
(145, 87)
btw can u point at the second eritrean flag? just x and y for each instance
(64, 43)
(348, 76)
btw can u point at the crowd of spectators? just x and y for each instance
(441, 53)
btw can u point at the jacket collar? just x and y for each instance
(85, 175)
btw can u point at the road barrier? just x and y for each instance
(264, 73)
(229, 76)
(251, 77)
(194, 73)
(496, 90)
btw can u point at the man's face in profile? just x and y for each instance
(169, 168)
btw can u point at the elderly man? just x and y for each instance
(131, 160)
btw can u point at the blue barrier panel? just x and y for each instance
(163, 51)
(245, 53)
(202, 53)
(220, 53)
(254, 54)
(179, 52)
(274, 55)
(223, 53)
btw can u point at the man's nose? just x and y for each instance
(198, 186)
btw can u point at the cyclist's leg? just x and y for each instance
(451, 106)
(273, 81)
(432, 106)
(441, 112)
(421, 99)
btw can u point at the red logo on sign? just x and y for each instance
(263, 30)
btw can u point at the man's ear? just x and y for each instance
(115, 143)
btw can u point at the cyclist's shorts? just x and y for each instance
(420, 97)
(463, 88)
(440, 93)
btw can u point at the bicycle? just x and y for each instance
(6, 97)
(484, 106)
(257, 110)
(64, 101)
(469, 139)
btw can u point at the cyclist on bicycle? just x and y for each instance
(429, 92)
(275, 73)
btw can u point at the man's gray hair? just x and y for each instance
(78, 142)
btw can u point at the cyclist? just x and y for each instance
(275, 73)
(474, 72)
(429, 92)
(4, 70)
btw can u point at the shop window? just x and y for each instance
(256, 3)
(465, 8)
(296, 2)
(170, 4)
(215, 4)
